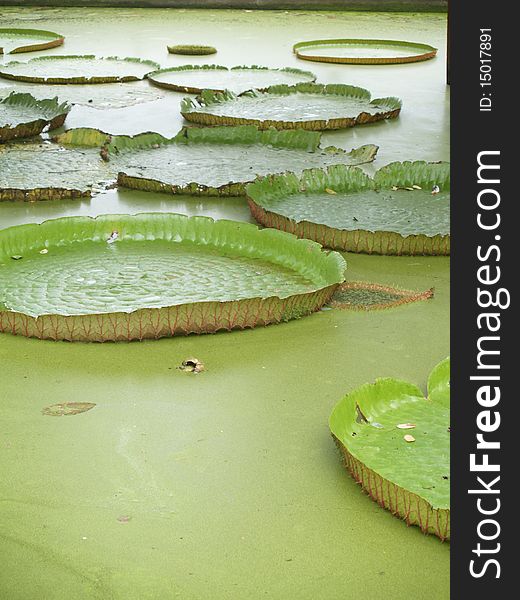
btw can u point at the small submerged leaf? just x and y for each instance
(409, 438)
(359, 295)
(406, 426)
(67, 408)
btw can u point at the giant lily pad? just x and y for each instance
(205, 161)
(50, 171)
(195, 78)
(213, 161)
(22, 116)
(306, 106)
(78, 69)
(13, 41)
(396, 444)
(120, 277)
(100, 96)
(191, 49)
(344, 209)
(363, 52)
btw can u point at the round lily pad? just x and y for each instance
(13, 41)
(397, 212)
(100, 96)
(78, 69)
(306, 105)
(51, 171)
(22, 116)
(363, 52)
(191, 49)
(120, 277)
(210, 161)
(396, 444)
(195, 78)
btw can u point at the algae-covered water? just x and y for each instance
(224, 484)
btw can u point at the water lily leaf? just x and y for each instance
(407, 478)
(67, 408)
(191, 49)
(22, 115)
(85, 289)
(100, 96)
(78, 69)
(360, 295)
(365, 215)
(217, 161)
(13, 41)
(51, 171)
(308, 106)
(363, 51)
(195, 78)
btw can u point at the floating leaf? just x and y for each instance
(406, 426)
(309, 106)
(359, 295)
(363, 51)
(191, 49)
(410, 483)
(13, 41)
(364, 215)
(84, 290)
(195, 78)
(67, 408)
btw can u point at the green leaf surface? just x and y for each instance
(191, 49)
(100, 96)
(347, 200)
(195, 78)
(366, 423)
(78, 69)
(49, 167)
(158, 260)
(219, 160)
(307, 105)
(22, 115)
(13, 41)
(363, 51)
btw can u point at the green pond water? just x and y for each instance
(224, 484)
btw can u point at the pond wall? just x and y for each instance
(372, 5)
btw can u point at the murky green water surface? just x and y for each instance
(225, 484)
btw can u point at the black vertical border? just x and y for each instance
(473, 131)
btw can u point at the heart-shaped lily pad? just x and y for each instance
(22, 116)
(13, 41)
(121, 277)
(404, 209)
(195, 78)
(396, 444)
(78, 69)
(306, 105)
(363, 52)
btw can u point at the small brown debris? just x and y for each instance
(409, 438)
(406, 426)
(67, 408)
(192, 365)
(123, 519)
